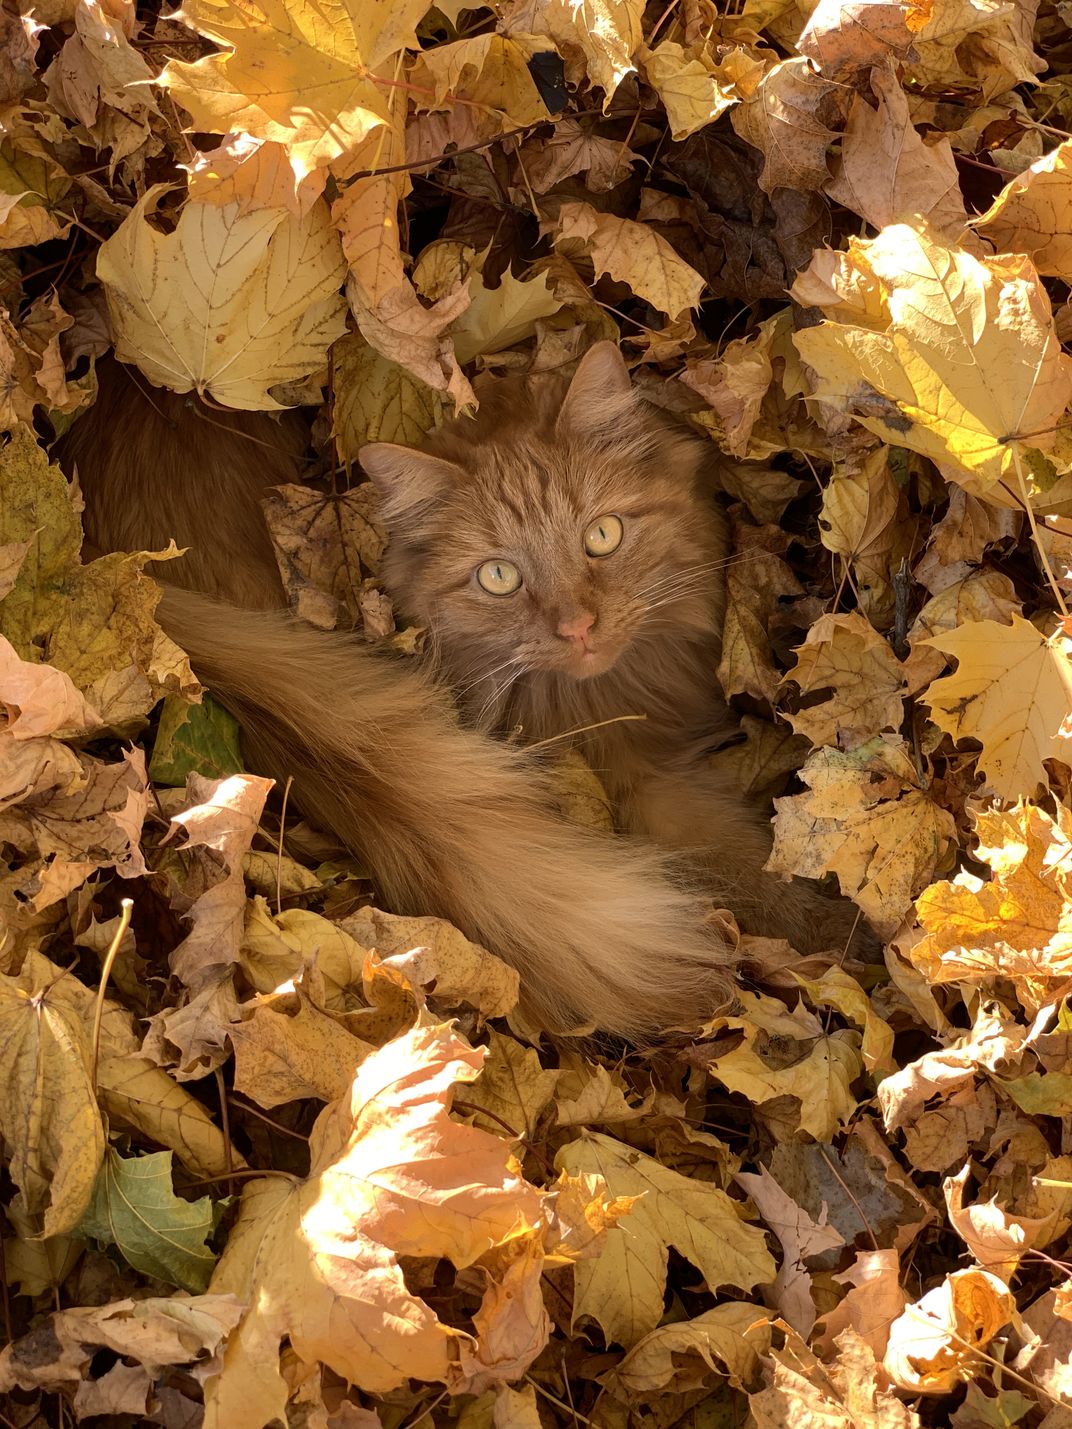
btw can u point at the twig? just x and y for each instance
(126, 906)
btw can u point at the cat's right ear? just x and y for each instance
(410, 483)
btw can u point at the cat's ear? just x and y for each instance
(601, 396)
(410, 483)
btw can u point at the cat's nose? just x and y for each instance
(577, 628)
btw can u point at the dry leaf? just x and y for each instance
(932, 1345)
(845, 654)
(728, 1340)
(866, 819)
(391, 1174)
(631, 253)
(1012, 691)
(799, 1236)
(951, 356)
(623, 1289)
(230, 303)
(790, 118)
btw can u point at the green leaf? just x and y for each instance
(194, 739)
(135, 1209)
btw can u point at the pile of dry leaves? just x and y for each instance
(274, 1155)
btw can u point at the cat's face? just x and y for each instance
(550, 535)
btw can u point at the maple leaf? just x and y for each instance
(932, 1344)
(818, 1077)
(1012, 691)
(690, 86)
(843, 38)
(939, 351)
(844, 653)
(623, 1289)
(729, 1340)
(324, 543)
(489, 71)
(391, 1174)
(865, 818)
(598, 38)
(888, 174)
(790, 119)
(262, 80)
(229, 304)
(1029, 215)
(631, 253)
(1019, 924)
(377, 400)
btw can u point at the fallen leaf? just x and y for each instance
(953, 356)
(790, 118)
(800, 1237)
(230, 303)
(846, 655)
(316, 1260)
(623, 1290)
(1012, 691)
(597, 37)
(631, 253)
(325, 543)
(865, 818)
(932, 1345)
(674, 1359)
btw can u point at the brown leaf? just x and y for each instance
(791, 118)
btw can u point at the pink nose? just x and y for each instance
(577, 628)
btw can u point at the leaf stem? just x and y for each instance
(126, 906)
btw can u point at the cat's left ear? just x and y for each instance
(601, 396)
(410, 482)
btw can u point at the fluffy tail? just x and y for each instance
(452, 823)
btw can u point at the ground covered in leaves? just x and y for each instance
(273, 1154)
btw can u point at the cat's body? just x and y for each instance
(448, 819)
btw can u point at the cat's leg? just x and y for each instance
(699, 809)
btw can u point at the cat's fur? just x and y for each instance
(448, 819)
(521, 481)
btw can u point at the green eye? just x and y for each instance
(604, 536)
(499, 577)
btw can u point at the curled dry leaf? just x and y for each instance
(631, 253)
(1018, 924)
(932, 1345)
(391, 1174)
(846, 655)
(865, 818)
(800, 1237)
(729, 1340)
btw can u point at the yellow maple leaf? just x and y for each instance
(275, 59)
(317, 1261)
(688, 82)
(1019, 924)
(597, 38)
(1012, 691)
(623, 1288)
(632, 253)
(967, 362)
(866, 818)
(377, 400)
(819, 1073)
(1033, 214)
(229, 304)
(846, 654)
(490, 71)
(932, 1346)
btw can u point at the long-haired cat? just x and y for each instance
(448, 819)
(564, 549)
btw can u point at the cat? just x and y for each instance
(605, 932)
(566, 554)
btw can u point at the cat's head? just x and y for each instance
(553, 531)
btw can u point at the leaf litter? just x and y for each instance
(295, 1159)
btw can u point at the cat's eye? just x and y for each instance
(499, 577)
(604, 536)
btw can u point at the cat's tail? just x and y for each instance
(450, 822)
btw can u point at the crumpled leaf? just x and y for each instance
(728, 1340)
(391, 1174)
(631, 253)
(326, 543)
(159, 1333)
(888, 174)
(818, 1073)
(800, 1237)
(230, 303)
(846, 655)
(841, 39)
(1030, 214)
(597, 37)
(1018, 925)
(932, 1345)
(693, 90)
(1012, 691)
(790, 118)
(865, 818)
(623, 1289)
(49, 1116)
